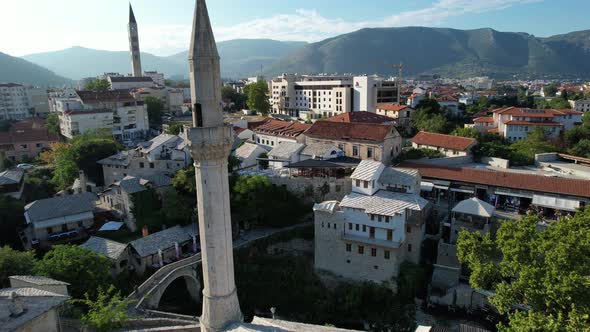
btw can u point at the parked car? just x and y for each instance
(25, 166)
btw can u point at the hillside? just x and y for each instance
(238, 58)
(449, 52)
(17, 70)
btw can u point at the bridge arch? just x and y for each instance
(189, 274)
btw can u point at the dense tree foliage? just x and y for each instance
(81, 153)
(98, 85)
(155, 107)
(11, 217)
(38, 185)
(466, 132)
(147, 209)
(413, 153)
(429, 117)
(550, 90)
(174, 129)
(15, 263)
(258, 97)
(544, 270)
(108, 312)
(230, 95)
(560, 102)
(85, 270)
(52, 123)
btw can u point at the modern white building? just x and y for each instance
(15, 102)
(158, 78)
(118, 111)
(374, 229)
(582, 105)
(316, 97)
(129, 83)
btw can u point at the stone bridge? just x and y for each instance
(148, 294)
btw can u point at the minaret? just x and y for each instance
(134, 44)
(210, 142)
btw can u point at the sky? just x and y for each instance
(33, 26)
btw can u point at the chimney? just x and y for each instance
(82, 182)
(15, 307)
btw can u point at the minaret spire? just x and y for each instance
(134, 44)
(205, 76)
(210, 143)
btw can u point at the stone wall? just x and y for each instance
(448, 161)
(496, 162)
(294, 247)
(303, 186)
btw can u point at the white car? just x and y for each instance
(25, 166)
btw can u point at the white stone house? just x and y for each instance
(368, 234)
(285, 153)
(117, 253)
(248, 154)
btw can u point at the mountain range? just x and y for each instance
(17, 70)
(444, 51)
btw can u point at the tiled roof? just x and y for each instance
(359, 117)
(444, 141)
(350, 131)
(536, 183)
(109, 248)
(285, 150)
(531, 112)
(282, 128)
(447, 99)
(61, 206)
(384, 203)
(247, 149)
(36, 302)
(39, 280)
(122, 158)
(172, 141)
(486, 119)
(11, 177)
(367, 170)
(95, 97)
(392, 107)
(162, 240)
(533, 123)
(29, 130)
(494, 130)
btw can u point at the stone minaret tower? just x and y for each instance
(210, 142)
(134, 44)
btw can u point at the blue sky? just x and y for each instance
(165, 24)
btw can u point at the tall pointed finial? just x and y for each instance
(205, 73)
(131, 15)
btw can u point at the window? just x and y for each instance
(409, 247)
(361, 250)
(379, 218)
(350, 226)
(334, 226)
(387, 219)
(374, 252)
(355, 151)
(369, 152)
(348, 247)
(358, 183)
(141, 165)
(366, 184)
(389, 235)
(364, 228)
(152, 165)
(329, 225)
(372, 217)
(386, 254)
(408, 229)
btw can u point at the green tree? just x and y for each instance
(466, 132)
(52, 123)
(5, 125)
(38, 185)
(412, 154)
(11, 218)
(263, 164)
(550, 90)
(545, 270)
(184, 181)
(258, 97)
(581, 149)
(85, 270)
(174, 129)
(155, 108)
(108, 312)
(147, 210)
(228, 94)
(430, 117)
(177, 209)
(523, 152)
(15, 263)
(98, 85)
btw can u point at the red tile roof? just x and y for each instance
(486, 119)
(536, 183)
(29, 130)
(392, 107)
(532, 123)
(359, 117)
(494, 131)
(350, 131)
(444, 141)
(530, 112)
(447, 98)
(239, 130)
(282, 128)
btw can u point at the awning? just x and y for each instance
(464, 190)
(426, 186)
(441, 184)
(556, 203)
(507, 193)
(111, 226)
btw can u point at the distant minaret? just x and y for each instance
(134, 44)
(210, 142)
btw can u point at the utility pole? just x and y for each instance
(400, 80)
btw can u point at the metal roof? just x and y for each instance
(11, 177)
(384, 203)
(62, 206)
(285, 150)
(368, 170)
(105, 247)
(165, 239)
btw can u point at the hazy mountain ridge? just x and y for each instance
(17, 70)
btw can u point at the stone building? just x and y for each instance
(448, 145)
(26, 139)
(360, 135)
(117, 253)
(273, 132)
(162, 155)
(369, 233)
